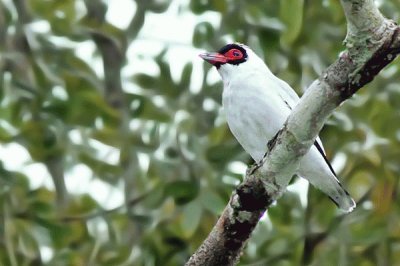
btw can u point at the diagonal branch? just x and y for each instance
(372, 42)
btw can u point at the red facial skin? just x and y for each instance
(217, 58)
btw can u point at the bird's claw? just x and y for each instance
(253, 168)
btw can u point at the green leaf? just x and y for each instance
(291, 14)
(186, 76)
(5, 136)
(40, 140)
(60, 14)
(146, 81)
(42, 201)
(203, 32)
(146, 109)
(199, 7)
(222, 153)
(182, 191)
(191, 218)
(212, 201)
(107, 135)
(158, 6)
(104, 170)
(81, 205)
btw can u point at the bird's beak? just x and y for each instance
(214, 58)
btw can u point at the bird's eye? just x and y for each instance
(234, 54)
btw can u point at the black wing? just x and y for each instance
(316, 144)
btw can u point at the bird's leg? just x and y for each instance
(256, 165)
(271, 142)
(270, 145)
(250, 170)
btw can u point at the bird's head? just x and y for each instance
(233, 59)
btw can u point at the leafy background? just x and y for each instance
(156, 136)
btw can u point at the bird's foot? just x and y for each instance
(250, 170)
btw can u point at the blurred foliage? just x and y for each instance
(49, 94)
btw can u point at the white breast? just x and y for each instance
(254, 112)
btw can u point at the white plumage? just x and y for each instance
(257, 104)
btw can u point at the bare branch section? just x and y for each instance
(372, 42)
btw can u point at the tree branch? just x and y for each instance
(372, 42)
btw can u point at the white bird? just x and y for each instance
(257, 104)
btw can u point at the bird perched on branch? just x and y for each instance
(257, 104)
